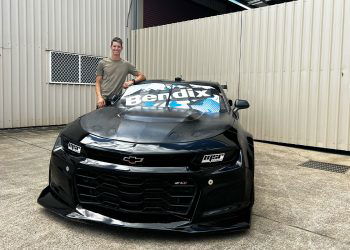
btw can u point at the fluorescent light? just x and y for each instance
(240, 4)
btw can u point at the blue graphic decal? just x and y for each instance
(174, 104)
(208, 105)
(148, 104)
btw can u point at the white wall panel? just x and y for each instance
(1, 90)
(188, 49)
(300, 101)
(292, 63)
(29, 29)
(1, 38)
(343, 135)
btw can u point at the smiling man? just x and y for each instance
(111, 74)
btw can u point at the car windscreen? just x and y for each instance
(173, 97)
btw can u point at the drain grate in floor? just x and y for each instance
(326, 166)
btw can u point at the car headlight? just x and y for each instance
(63, 143)
(58, 144)
(239, 162)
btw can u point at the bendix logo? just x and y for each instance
(182, 94)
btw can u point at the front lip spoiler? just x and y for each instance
(50, 201)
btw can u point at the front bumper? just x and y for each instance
(238, 222)
(224, 205)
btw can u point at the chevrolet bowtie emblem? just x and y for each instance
(133, 159)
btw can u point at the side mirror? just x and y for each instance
(241, 104)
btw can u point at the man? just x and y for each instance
(111, 74)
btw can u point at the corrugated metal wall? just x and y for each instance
(189, 50)
(298, 73)
(291, 61)
(29, 29)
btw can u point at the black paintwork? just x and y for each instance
(170, 189)
(153, 127)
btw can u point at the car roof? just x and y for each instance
(206, 83)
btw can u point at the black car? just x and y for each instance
(168, 155)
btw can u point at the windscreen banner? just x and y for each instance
(173, 96)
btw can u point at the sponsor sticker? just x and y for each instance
(213, 158)
(180, 183)
(74, 148)
(181, 97)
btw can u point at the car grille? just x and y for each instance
(120, 192)
(148, 160)
(160, 160)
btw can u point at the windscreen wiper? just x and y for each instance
(168, 99)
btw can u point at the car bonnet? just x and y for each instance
(154, 127)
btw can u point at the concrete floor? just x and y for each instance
(296, 207)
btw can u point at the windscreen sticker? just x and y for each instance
(146, 88)
(202, 86)
(209, 105)
(173, 96)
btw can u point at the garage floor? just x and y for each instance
(296, 207)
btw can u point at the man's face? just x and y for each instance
(116, 48)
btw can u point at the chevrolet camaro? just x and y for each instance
(167, 155)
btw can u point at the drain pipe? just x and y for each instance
(128, 30)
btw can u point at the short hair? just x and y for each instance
(118, 40)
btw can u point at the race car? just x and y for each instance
(168, 155)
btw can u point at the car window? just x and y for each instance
(173, 96)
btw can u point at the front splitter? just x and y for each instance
(49, 200)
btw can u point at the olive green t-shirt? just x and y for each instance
(113, 74)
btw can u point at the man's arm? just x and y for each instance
(139, 78)
(100, 101)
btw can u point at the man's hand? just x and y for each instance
(127, 84)
(101, 102)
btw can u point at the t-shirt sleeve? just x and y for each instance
(99, 69)
(132, 69)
